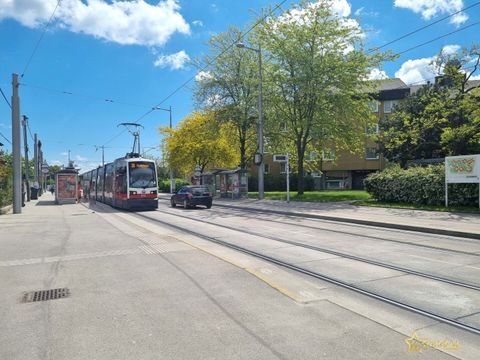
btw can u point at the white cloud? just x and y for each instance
(203, 75)
(377, 74)
(174, 61)
(422, 70)
(450, 49)
(123, 22)
(80, 158)
(198, 23)
(417, 71)
(359, 11)
(431, 8)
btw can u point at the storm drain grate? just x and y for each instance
(45, 295)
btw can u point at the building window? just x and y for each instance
(373, 106)
(283, 168)
(371, 154)
(328, 155)
(266, 168)
(389, 105)
(371, 129)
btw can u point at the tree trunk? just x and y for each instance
(300, 177)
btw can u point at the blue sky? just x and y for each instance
(101, 63)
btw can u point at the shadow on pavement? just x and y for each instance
(45, 203)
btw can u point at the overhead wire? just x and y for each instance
(3, 136)
(64, 92)
(276, 7)
(438, 38)
(423, 27)
(6, 100)
(40, 39)
(30, 132)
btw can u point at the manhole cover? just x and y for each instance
(44, 295)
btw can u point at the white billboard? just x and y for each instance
(462, 169)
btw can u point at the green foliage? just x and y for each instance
(199, 139)
(318, 196)
(316, 70)
(419, 186)
(164, 185)
(6, 179)
(437, 121)
(279, 183)
(229, 89)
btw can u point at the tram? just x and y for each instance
(126, 183)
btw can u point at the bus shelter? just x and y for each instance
(66, 189)
(223, 183)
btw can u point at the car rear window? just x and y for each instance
(200, 191)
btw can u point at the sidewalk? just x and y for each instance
(443, 223)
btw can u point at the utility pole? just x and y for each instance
(35, 159)
(172, 182)
(39, 169)
(103, 153)
(17, 166)
(27, 164)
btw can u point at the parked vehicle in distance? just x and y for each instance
(191, 196)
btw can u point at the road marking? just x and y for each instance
(72, 257)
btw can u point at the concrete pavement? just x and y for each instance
(138, 294)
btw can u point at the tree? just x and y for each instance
(199, 140)
(317, 70)
(6, 179)
(229, 89)
(438, 120)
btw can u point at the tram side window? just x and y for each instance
(121, 180)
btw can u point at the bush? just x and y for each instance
(6, 179)
(279, 182)
(164, 185)
(420, 186)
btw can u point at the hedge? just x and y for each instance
(164, 185)
(279, 182)
(420, 186)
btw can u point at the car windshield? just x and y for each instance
(142, 175)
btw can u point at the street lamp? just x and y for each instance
(258, 156)
(172, 183)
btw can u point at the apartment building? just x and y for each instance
(346, 170)
(343, 169)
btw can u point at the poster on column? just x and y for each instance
(66, 186)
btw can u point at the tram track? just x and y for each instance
(338, 253)
(355, 234)
(314, 274)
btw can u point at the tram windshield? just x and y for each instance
(142, 174)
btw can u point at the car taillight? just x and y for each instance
(189, 195)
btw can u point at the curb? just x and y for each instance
(6, 209)
(421, 229)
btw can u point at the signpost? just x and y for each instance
(284, 159)
(460, 170)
